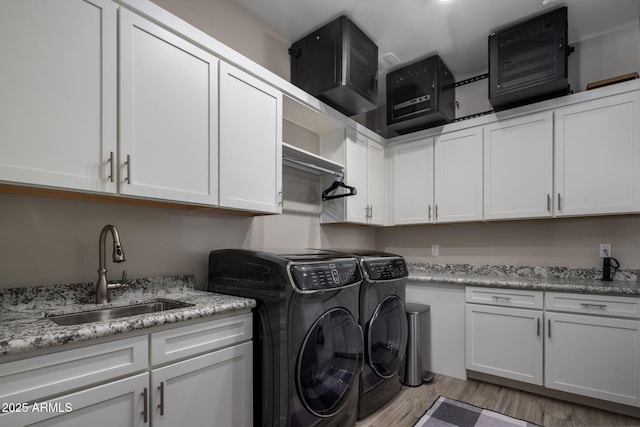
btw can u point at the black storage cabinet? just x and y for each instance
(528, 61)
(338, 64)
(420, 95)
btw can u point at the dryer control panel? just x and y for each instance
(385, 269)
(325, 275)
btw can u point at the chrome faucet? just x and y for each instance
(102, 287)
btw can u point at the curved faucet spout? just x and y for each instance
(118, 256)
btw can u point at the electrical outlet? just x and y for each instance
(605, 250)
(435, 250)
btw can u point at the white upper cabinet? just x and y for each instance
(597, 156)
(250, 142)
(458, 176)
(364, 169)
(58, 93)
(168, 115)
(375, 182)
(413, 182)
(518, 167)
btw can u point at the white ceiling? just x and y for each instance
(457, 30)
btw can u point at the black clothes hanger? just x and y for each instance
(336, 184)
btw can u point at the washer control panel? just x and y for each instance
(385, 269)
(326, 275)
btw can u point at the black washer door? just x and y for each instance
(387, 337)
(329, 362)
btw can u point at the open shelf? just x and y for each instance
(302, 159)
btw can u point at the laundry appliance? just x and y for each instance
(384, 321)
(308, 345)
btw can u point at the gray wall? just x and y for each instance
(571, 242)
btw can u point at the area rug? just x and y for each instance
(447, 412)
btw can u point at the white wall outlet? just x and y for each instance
(435, 250)
(605, 250)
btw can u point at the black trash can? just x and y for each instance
(417, 361)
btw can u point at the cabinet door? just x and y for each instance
(413, 182)
(356, 176)
(214, 389)
(250, 142)
(375, 182)
(506, 342)
(518, 168)
(118, 403)
(597, 156)
(458, 176)
(593, 356)
(168, 115)
(58, 86)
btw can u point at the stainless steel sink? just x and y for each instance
(118, 312)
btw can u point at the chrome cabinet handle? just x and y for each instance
(559, 208)
(280, 199)
(429, 212)
(497, 298)
(161, 405)
(111, 176)
(436, 212)
(549, 202)
(587, 305)
(549, 327)
(538, 334)
(128, 163)
(145, 410)
(371, 212)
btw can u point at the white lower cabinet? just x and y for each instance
(595, 355)
(591, 342)
(203, 377)
(120, 403)
(214, 389)
(504, 341)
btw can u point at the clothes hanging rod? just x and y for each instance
(311, 165)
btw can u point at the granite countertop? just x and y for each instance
(558, 279)
(25, 312)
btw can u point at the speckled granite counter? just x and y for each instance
(559, 279)
(24, 312)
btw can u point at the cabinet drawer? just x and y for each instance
(37, 377)
(504, 297)
(174, 344)
(602, 305)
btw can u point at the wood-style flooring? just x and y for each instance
(412, 402)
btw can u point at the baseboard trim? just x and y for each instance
(619, 408)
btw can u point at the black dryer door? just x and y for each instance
(329, 362)
(387, 337)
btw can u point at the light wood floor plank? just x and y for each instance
(412, 402)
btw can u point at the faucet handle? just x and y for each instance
(121, 284)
